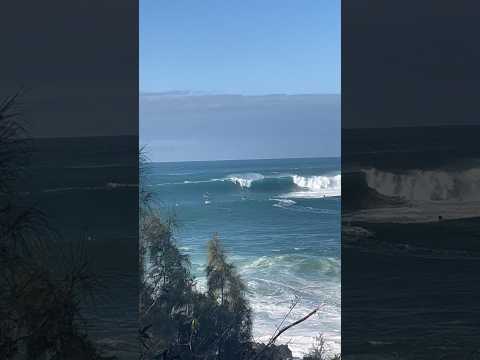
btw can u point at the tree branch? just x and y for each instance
(274, 338)
(292, 325)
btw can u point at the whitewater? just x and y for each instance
(279, 221)
(425, 195)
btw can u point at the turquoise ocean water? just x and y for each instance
(279, 221)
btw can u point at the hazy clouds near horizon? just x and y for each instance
(178, 126)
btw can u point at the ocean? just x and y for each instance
(87, 189)
(410, 250)
(279, 221)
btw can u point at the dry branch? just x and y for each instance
(281, 331)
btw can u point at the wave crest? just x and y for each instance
(310, 186)
(426, 185)
(291, 185)
(296, 263)
(245, 180)
(318, 186)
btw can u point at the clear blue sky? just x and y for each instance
(245, 47)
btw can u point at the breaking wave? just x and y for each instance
(318, 183)
(296, 185)
(427, 185)
(245, 180)
(317, 186)
(292, 185)
(296, 264)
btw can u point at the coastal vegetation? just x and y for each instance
(43, 288)
(181, 321)
(178, 321)
(40, 296)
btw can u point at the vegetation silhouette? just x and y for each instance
(41, 294)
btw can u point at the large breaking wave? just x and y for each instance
(292, 185)
(325, 186)
(245, 180)
(427, 185)
(297, 185)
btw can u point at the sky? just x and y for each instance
(410, 63)
(234, 127)
(246, 47)
(222, 80)
(69, 66)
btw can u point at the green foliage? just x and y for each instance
(167, 286)
(179, 321)
(226, 288)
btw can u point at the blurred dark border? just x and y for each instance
(74, 65)
(410, 154)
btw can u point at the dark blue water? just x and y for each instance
(86, 187)
(279, 221)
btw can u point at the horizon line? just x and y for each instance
(207, 93)
(252, 159)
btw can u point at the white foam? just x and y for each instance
(270, 308)
(317, 186)
(283, 203)
(245, 180)
(273, 281)
(318, 183)
(427, 185)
